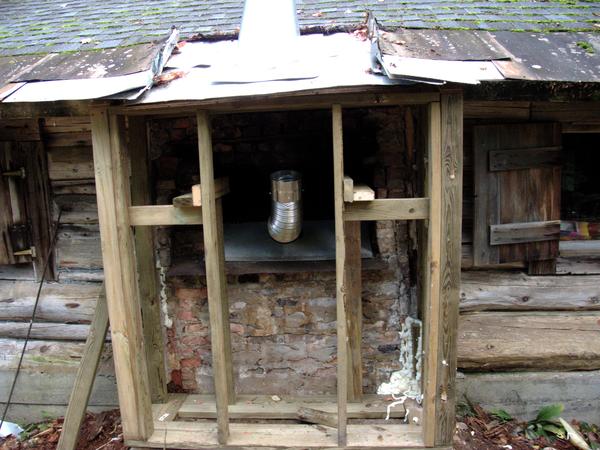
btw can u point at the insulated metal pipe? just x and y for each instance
(285, 222)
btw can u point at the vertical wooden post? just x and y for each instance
(146, 265)
(218, 304)
(86, 374)
(352, 277)
(442, 309)
(111, 166)
(430, 286)
(340, 265)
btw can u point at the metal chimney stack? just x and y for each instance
(268, 26)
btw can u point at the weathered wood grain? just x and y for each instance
(524, 158)
(58, 302)
(340, 273)
(387, 209)
(141, 194)
(516, 291)
(526, 341)
(216, 281)
(164, 215)
(45, 331)
(122, 294)
(516, 233)
(451, 108)
(86, 375)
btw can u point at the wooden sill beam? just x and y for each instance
(388, 209)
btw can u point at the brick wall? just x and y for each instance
(283, 324)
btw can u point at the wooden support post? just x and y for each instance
(430, 267)
(86, 373)
(441, 310)
(352, 276)
(146, 265)
(218, 304)
(111, 166)
(340, 273)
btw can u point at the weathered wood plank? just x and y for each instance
(496, 110)
(141, 194)
(264, 407)
(68, 124)
(430, 266)
(524, 158)
(86, 374)
(350, 97)
(388, 209)
(311, 415)
(539, 341)
(193, 435)
(58, 302)
(340, 274)
(515, 233)
(70, 163)
(45, 331)
(122, 295)
(578, 266)
(164, 215)
(580, 249)
(451, 108)
(20, 130)
(353, 275)
(516, 291)
(523, 394)
(215, 278)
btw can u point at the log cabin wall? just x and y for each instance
(523, 341)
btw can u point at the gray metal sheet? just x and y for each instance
(449, 45)
(251, 242)
(550, 56)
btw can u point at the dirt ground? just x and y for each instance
(478, 430)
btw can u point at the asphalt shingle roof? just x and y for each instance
(46, 26)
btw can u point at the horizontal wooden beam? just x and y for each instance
(517, 233)
(524, 158)
(529, 340)
(388, 209)
(485, 290)
(264, 407)
(346, 97)
(251, 435)
(156, 215)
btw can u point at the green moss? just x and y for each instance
(586, 46)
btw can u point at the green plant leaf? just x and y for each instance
(501, 415)
(550, 412)
(556, 430)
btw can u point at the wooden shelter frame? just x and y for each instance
(150, 416)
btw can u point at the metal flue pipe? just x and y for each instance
(285, 222)
(268, 26)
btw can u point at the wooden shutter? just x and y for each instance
(517, 195)
(24, 206)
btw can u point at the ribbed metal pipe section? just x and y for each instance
(285, 222)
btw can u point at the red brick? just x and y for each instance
(190, 362)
